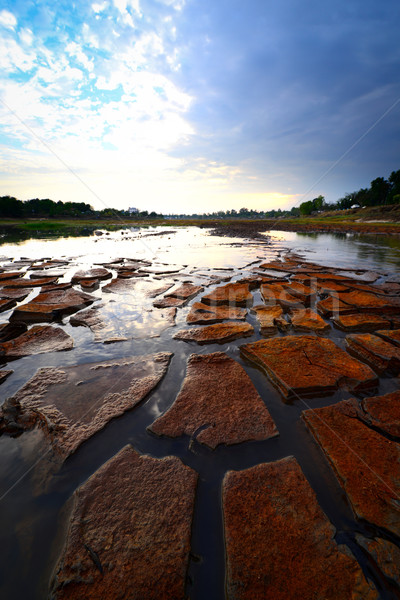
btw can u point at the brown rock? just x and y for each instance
(366, 463)
(203, 314)
(42, 274)
(305, 319)
(330, 286)
(217, 333)
(267, 317)
(17, 294)
(9, 331)
(383, 412)
(359, 322)
(390, 336)
(50, 306)
(305, 293)
(97, 273)
(385, 554)
(89, 284)
(39, 339)
(374, 351)
(308, 366)
(4, 375)
(77, 402)
(168, 302)
(320, 278)
(332, 306)
(367, 302)
(277, 294)
(280, 544)
(10, 275)
(217, 404)
(129, 531)
(232, 294)
(186, 291)
(7, 303)
(28, 283)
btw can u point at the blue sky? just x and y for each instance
(189, 106)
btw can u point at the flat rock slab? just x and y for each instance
(39, 339)
(7, 304)
(385, 554)
(97, 273)
(305, 293)
(308, 366)
(383, 413)
(24, 283)
(232, 294)
(203, 314)
(268, 317)
(332, 306)
(169, 302)
(277, 294)
(366, 463)
(279, 542)
(50, 306)
(390, 336)
(129, 531)
(368, 302)
(18, 294)
(76, 402)
(306, 319)
(9, 331)
(360, 322)
(186, 291)
(216, 333)
(376, 352)
(4, 374)
(217, 404)
(10, 275)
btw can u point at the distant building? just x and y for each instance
(132, 210)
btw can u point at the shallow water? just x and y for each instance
(32, 523)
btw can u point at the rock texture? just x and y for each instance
(268, 317)
(9, 331)
(366, 463)
(98, 273)
(216, 333)
(305, 319)
(279, 542)
(360, 322)
(277, 294)
(385, 554)
(186, 291)
(376, 352)
(51, 306)
(217, 404)
(203, 314)
(39, 339)
(390, 336)
(232, 294)
(382, 412)
(4, 375)
(308, 366)
(129, 531)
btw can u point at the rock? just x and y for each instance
(17, 294)
(305, 293)
(89, 284)
(359, 322)
(50, 306)
(308, 366)
(373, 350)
(365, 276)
(153, 289)
(331, 286)
(28, 283)
(217, 404)
(129, 531)
(382, 412)
(120, 286)
(4, 375)
(332, 306)
(320, 278)
(203, 314)
(160, 270)
(390, 336)
(9, 331)
(385, 554)
(277, 294)
(305, 319)
(97, 273)
(280, 544)
(267, 317)
(39, 339)
(232, 294)
(7, 304)
(186, 291)
(76, 402)
(366, 463)
(168, 302)
(10, 275)
(367, 302)
(217, 333)
(43, 274)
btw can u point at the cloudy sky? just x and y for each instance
(196, 106)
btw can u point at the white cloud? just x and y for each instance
(26, 36)
(7, 19)
(98, 8)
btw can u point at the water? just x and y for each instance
(33, 522)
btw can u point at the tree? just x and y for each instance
(306, 208)
(11, 207)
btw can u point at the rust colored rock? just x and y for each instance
(217, 333)
(76, 402)
(120, 286)
(169, 302)
(25, 283)
(217, 404)
(232, 294)
(186, 291)
(280, 544)
(368, 302)
(267, 317)
(155, 289)
(385, 554)
(332, 306)
(383, 412)
(39, 339)
(366, 463)
(7, 304)
(10, 275)
(4, 375)
(17, 294)
(203, 314)
(360, 322)
(277, 294)
(41, 274)
(305, 319)
(390, 336)
(286, 266)
(320, 278)
(89, 284)
(129, 531)
(50, 306)
(376, 352)
(9, 331)
(308, 366)
(305, 293)
(97, 273)
(330, 286)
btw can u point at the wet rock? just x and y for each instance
(129, 531)
(50, 306)
(305, 319)
(217, 333)
(376, 352)
(168, 302)
(232, 294)
(365, 276)
(9, 331)
(7, 304)
(367, 302)
(332, 306)
(43, 274)
(153, 289)
(385, 554)
(390, 336)
(161, 270)
(317, 279)
(97, 273)
(366, 463)
(204, 314)
(382, 412)
(280, 544)
(267, 317)
(10, 275)
(28, 283)
(277, 294)
(308, 366)
(360, 322)
(76, 402)
(186, 291)
(330, 286)
(120, 286)
(4, 375)
(217, 404)
(305, 293)
(89, 284)
(15, 293)
(39, 339)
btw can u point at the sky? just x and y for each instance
(189, 106)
